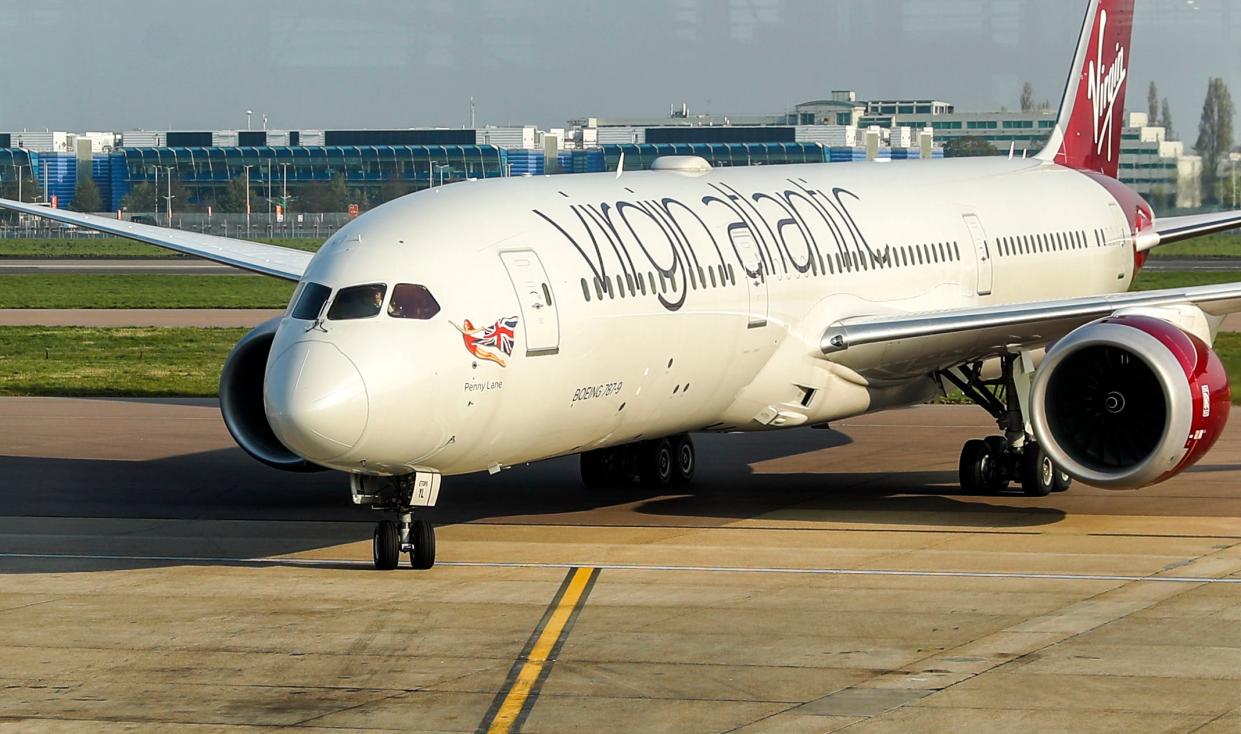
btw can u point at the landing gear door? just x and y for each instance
(539, 315)
(983, 250)
(756, 285)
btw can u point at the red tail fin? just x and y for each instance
(1088, 131)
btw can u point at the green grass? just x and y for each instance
(80, 361)
(1216, 245)
(1149, 280)
(110, 290)
(111, 247)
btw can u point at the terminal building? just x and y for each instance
(289, 167)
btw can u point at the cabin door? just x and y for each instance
(539, 315)
(983, 250)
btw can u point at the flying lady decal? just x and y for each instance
(480, 341)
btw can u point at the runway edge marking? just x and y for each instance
(516, 698)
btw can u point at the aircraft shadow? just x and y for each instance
(274, 513)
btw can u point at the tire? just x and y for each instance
(595, 469)
(422, 538)
(655, 463)
(1062, 481)
(684, 459)
(386, 546)
(973, 460)
(1038, 473)
(997, 470)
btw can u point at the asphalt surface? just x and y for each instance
(153, 577)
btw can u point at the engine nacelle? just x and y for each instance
(241, 401)
(1129, 401)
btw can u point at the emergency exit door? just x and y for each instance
(539, 316)
(983, 253)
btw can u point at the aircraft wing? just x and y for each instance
(278, 262)
(908, 343)
(1176, 229)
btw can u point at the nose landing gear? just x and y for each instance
(415, 537)
(989, 465)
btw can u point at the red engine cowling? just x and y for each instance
(1129, 401)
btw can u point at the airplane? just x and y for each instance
(489, 324)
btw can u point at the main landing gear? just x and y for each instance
(658, 462)
(400, 495)
(989, 465)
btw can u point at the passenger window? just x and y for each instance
(310, 303)
(357, 302)
(410, 301)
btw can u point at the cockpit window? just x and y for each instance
(357, 302)
(310, 303)
(411, 301)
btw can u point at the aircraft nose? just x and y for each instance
(316, 401)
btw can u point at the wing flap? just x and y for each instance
(279, 262)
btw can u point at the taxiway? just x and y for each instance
(810, 581)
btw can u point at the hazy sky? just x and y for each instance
(154, 64)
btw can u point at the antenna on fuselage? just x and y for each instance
(620, 165)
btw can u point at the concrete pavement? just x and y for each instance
(153, 576)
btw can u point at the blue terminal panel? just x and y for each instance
(206, 171)
(719, 155)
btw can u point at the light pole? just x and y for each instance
(249, 114)
(284, 187)
(19, 168)
(169, 197)
(155, 197)
(247, 170)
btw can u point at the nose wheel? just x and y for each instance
(408, 535)
(416, 538)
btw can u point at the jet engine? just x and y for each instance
(241, 401)
(1129, 401)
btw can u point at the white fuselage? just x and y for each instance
(719, 286)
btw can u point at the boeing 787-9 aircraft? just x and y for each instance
(494, 323)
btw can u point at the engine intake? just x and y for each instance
(241, 401)
(1129, 401)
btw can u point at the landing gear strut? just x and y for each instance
(655, 463)
(406, 534)
(989, 465)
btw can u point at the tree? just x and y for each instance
(233, 198)
(86, 196)
(326, 197)
(1027, 97)
(969, 146)
(1214, 136)
(140, 198)
(394, 188)
(1165, 119)
(1152, 104)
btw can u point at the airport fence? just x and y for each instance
(318, 225)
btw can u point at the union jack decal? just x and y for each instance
(500, 336)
